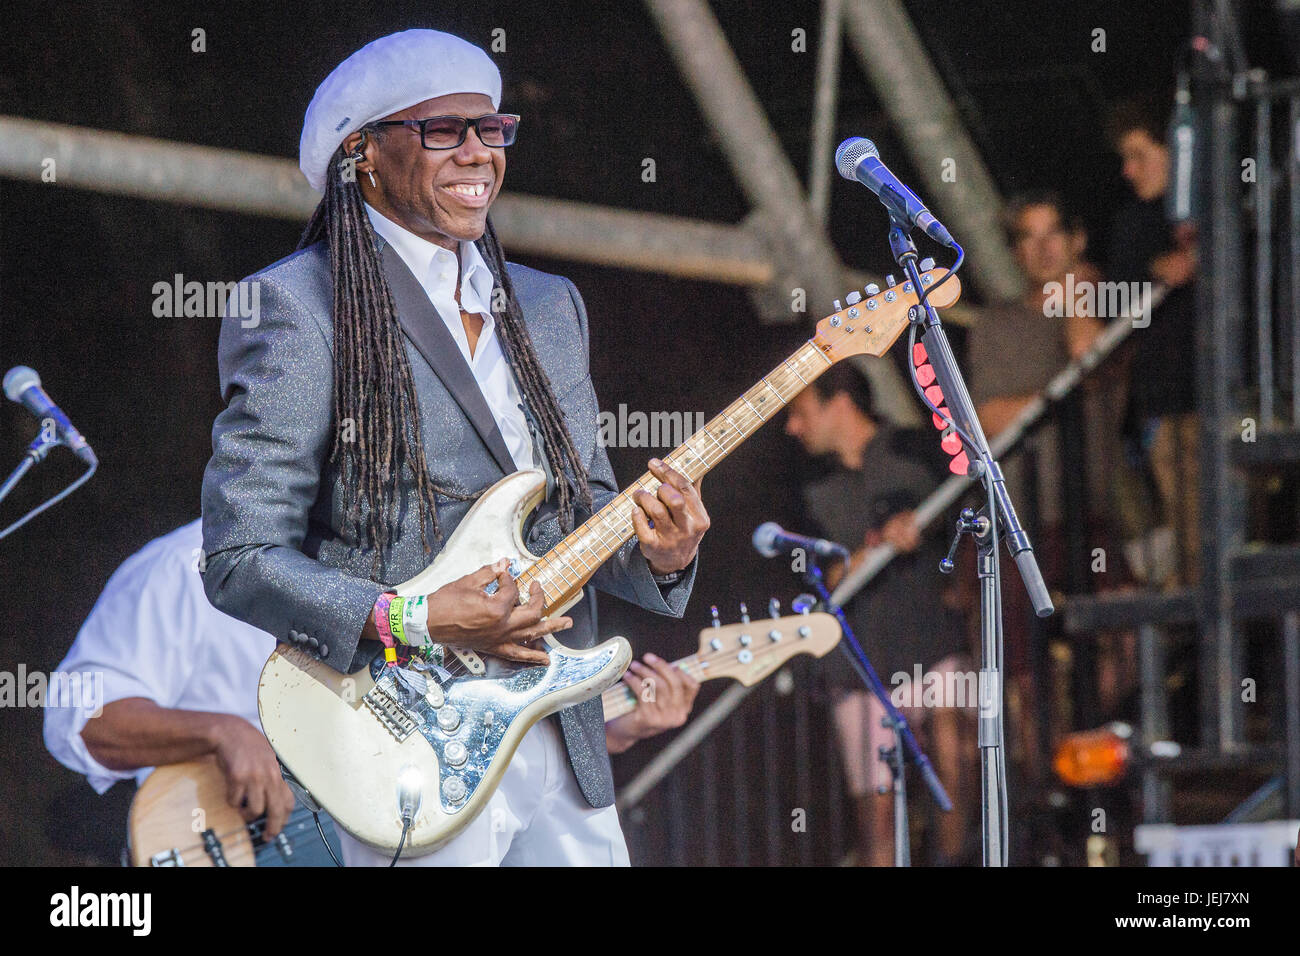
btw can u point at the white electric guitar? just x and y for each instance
(370, 747)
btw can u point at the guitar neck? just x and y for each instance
(621, 699)
(572, 562)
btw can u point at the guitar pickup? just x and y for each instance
(390, 712)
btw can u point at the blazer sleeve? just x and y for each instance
(268, 448)
(627, 573)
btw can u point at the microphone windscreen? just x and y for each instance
(851, 152)
(18, 379)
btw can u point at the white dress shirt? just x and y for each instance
(435, 268)
(153, 634)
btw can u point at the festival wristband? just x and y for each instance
(395, 620)
(415, 621)
(381, 625)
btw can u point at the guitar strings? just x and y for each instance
(599, 522)
(246, 828)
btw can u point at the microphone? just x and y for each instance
(859, 160)
(770, 540)
(23, 385)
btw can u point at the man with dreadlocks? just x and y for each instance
(398, 367)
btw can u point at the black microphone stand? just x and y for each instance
(985, 528)
(904, 741)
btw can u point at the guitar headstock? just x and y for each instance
(871, 325)
(751, 650)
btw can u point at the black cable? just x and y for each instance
(321, 830)
(961, 257)
(406, 828)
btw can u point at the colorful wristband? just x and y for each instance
(382, 605)
(395, 620)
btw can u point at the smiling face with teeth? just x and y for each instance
(441, 195)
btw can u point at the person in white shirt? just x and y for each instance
(179, 682)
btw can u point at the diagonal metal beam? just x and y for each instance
(255, 185)
(753, 151)
(830, 40)
(891, 55)
(265, 186)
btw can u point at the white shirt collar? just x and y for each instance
(429, 262)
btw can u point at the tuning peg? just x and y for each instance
(714, 612)
(927, 265)
(803, 604)
(873, 289)
(773, 607)
(744, 613)
(853, 298)
(838, 307)
(890, 280)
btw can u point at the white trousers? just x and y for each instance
(537, 817)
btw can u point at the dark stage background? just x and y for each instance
(598, 93)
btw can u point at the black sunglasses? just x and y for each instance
(448, 132)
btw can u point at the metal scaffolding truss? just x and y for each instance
(782, 246)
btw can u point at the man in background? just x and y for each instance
(878, 477)
(1015, 349)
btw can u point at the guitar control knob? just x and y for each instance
(890, 280)
(455, 753)
(853, 298)
(873, 289)
(927, 265)
(454, 790)
(434, 695)
(448, 719)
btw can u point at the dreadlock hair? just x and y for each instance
(536, 386)
(374, 388)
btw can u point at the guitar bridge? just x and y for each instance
(390, 712)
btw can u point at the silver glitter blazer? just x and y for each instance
(279, 554)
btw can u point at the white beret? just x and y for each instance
(383, 77)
